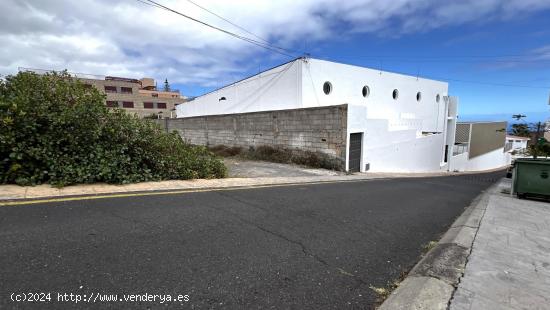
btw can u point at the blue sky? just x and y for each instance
(469, 43)
(472, 57)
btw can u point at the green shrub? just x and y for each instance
(56, 130)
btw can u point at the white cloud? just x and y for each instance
(131, 39)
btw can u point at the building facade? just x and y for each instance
(137, 96)
(140, 97)
(394, 122)
(517, 144)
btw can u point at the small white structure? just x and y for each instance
(516, 144)
(400, 123)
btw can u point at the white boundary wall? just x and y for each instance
(492, 160)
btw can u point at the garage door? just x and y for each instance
(355, 140)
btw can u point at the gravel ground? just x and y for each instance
(239, 168)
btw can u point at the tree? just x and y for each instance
(539, 145)
(521, 130)
(166, 85)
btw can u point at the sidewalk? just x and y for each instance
(509, 267)
(258, 174)
(496, 255)
(16, 192)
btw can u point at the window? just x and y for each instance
(127, 104)
(222, 99)
(112, 104)
(126, 90)
(110, 89)
(418, 96)
(437, 98)
(148, 105)
(327, 88)
(366, 91)
(161, 105)
(155, 95)
(395, 94)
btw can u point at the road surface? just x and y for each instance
(321, 246)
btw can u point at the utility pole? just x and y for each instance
(537, 142)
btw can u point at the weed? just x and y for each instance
(430, 245)
(281, 155)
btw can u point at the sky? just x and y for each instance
(494, 54)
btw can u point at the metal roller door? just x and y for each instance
(355, 140)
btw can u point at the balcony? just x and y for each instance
(460, 148)
(508, 146)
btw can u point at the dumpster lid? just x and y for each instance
(539, 161)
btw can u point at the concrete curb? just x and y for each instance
(166, 191)
(432, 281)
(10, 193)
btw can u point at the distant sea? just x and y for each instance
(531, 117)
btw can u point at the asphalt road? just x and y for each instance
(290, 247)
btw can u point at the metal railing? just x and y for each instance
(508, 146)
(460, 148)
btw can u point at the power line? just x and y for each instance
(460, 80)
(228, 21)
(491, 83)
(443, 60)
(512, 56)
(270, 47)
(283, 51)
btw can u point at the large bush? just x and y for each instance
(56, 130)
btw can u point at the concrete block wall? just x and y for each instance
(319, 129)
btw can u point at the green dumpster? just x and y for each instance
(532, 177)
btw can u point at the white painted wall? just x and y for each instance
(459, 162)
(492, 160)
(275, 89)
(408, 155)
(392, 129)
(348, 81)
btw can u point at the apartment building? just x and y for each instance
(137, 96)
(141, 97)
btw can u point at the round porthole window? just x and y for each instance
(437, 98)
(327, 88)
(395, 94)
(365, 91)
(418, 96)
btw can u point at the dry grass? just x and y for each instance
(281, 155)
(430, 245)
(384, 292)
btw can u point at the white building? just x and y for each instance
(517, 144)
(398, 123)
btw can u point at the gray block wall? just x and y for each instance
(319, 129)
